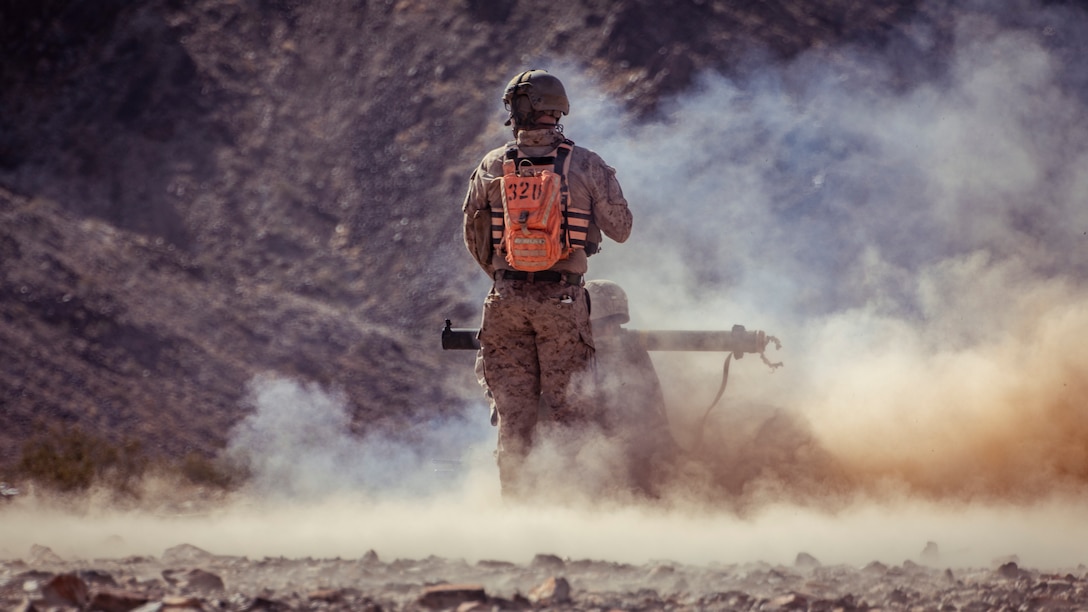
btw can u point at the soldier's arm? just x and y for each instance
(477, 218)
(610, 210)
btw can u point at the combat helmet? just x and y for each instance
(607, 299)
(532, 94)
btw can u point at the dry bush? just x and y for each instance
(66, 459)
(199, 470)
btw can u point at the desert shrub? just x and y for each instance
(218, 474)
(68, 459)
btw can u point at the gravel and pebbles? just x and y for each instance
(185, 577)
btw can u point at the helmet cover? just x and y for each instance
(607, 299)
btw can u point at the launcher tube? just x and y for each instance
(737, 340)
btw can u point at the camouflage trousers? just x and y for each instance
(537, 347)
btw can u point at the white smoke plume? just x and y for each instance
(919, 247)
(297, 444)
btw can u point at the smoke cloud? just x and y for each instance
(298, 444)
(919, 247)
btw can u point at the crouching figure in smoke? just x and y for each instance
(631, 403)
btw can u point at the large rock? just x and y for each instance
(446, 596)
(196, 580)
(553, 591)
(115, 600)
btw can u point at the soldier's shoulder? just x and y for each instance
(499, 151)
(587, 156)
(495, 156)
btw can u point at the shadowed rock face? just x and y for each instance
(195, 193)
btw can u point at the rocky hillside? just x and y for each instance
(196, 193)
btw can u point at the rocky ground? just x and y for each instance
(185, 577)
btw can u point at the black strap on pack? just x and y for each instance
(533, 161)
(564, 192)
(558, 160)
(574, 214)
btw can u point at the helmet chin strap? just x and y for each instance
(554, 127)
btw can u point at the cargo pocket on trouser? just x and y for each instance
(567, 365)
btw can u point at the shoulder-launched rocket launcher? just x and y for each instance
(738, 340)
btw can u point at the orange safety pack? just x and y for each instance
(535, 231)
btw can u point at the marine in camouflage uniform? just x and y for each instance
(535, 337)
